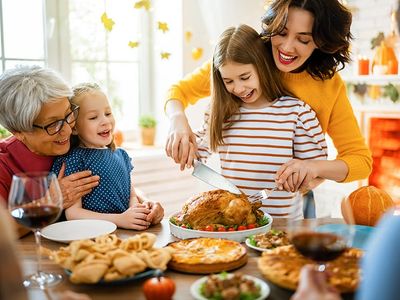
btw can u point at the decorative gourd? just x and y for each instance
(159, 287)
(368, 204)
(118, 137)
(385, 61)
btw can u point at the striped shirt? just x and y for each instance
(259, 141)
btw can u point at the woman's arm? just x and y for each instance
(347, 137)
(187, 91)
(76, 185)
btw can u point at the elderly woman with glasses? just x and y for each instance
(35, 108)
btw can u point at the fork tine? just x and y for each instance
(261, 195)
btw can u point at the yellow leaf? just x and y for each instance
(146, 4)
(163, 26)
(107, 22)
(133, 44)
(165, 55)
(197, 53)
(188, 36)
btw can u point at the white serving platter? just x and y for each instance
(239, 236)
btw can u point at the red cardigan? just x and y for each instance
(15, 157)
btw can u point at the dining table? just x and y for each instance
(134, 290)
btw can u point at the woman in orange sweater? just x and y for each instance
(308, 50)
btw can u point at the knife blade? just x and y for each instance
(208, 175)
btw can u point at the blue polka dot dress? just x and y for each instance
(114, 168)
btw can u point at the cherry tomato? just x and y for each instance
(231, 229)
(209, 228)
(251, 226)
(183, 226)
(221, 228)
(242, 227)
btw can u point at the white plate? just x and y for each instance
(264, 288)
(73, 230)
(239, 236)
(254, 247)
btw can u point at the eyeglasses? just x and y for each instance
(56, 126)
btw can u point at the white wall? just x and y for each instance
(207, 19)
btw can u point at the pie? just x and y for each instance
(207, 255)
(282, 266)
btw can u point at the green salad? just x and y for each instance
(229, 286)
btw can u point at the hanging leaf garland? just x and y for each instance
(188, 36)
(163, 26)
(197, 53)
(165, 55)
(107, 22)
(146, 4)
(133, 44)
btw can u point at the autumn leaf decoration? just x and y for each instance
(163, 26)
(146, 4)
(133, 44)
(188, 36)
(165, 55)
(107, 22)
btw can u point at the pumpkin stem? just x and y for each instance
(158, 273)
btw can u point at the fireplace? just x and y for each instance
(383, 137)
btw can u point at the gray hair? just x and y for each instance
(23, 92)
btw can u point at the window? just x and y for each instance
(17, 44)
(69, 37)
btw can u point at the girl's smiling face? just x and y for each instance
(295, 44)
(95, 123)
(242, 81)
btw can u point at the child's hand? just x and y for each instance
(134, 218)
(156, 212)
(296, 174)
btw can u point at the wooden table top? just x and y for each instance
(133, 290)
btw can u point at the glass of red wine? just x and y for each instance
(35, 201)
(324, 237)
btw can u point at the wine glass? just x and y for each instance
(321, 238)
(35, 201)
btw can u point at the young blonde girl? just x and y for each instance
(253, 125)
(115, 199)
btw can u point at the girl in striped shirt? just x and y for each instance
(254, 123)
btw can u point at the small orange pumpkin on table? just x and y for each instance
(159, 287)
(368, 204)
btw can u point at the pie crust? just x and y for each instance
(282, 266)
(207, 255)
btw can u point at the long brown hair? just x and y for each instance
(331, 33)
(241, 44)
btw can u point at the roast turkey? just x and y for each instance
(218, 207)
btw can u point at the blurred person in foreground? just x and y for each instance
(380, 268)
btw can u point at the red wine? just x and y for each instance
(319, 246)
(35, 216)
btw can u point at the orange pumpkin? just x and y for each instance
(159, 287)
(368, 204)
(385, 57)
(118, 137)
